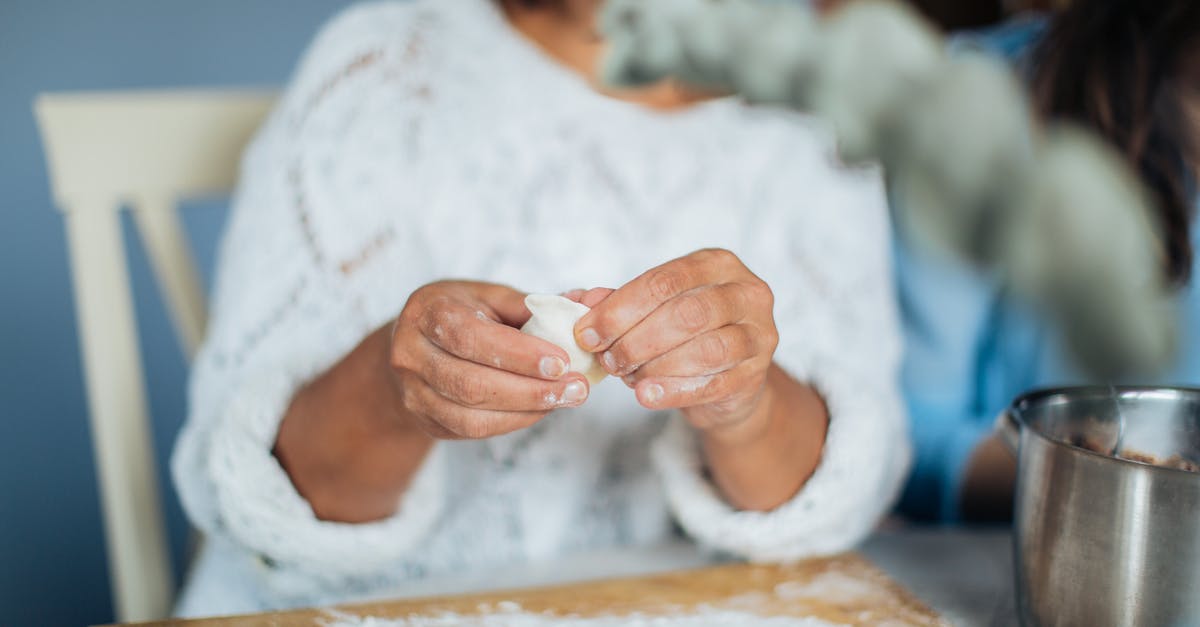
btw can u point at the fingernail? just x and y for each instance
(628, 380)
(575, 392)
(653, 393)
(610, 362)
(552, 367)
(589, 339)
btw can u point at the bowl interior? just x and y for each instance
(1161, 425)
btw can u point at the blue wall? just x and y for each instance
(52, 562)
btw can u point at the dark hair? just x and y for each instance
(1116, 66)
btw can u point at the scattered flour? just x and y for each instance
(510, 617)
(832, 587)
(695, 384)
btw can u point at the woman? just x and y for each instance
(361, 419)
(1128, 70)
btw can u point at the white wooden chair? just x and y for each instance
(145, 151)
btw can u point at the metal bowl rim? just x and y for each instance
(1041, 394)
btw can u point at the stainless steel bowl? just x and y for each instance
(1101, 540)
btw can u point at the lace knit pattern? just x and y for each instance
(422, 140)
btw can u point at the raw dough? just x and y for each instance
(553, 320)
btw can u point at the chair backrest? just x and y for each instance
(143, 150)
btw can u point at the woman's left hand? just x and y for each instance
(697, 333)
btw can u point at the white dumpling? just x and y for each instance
(553, 320)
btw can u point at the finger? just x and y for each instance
(470, 334)
(592, 297)
(710, 353)
(678, 392)
(504, 304)
(474, 385)
(628, 305)
(448, 420)
(574, 295)
(677, 321)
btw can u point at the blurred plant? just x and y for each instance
(1051, 211)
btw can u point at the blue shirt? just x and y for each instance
(970, 349)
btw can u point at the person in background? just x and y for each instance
(364, 411)
(1130, 71)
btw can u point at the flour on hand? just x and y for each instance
(553, 320)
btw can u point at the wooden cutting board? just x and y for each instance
(845, 589)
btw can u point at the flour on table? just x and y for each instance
(510, 614)
(833, 587)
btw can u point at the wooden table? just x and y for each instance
(963, 574)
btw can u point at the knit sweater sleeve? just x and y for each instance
(830, 272)
(287, 274)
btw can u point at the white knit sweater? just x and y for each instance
(423, 140)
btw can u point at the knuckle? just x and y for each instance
(543, 397)
(398, 358)
(722, 387)
(714, 350)
(763, 292)
(412, 402)
(426, 320)
(408, 349)
(442, 319)
(717, 256)
(410, 315)
(462, 340)
(667, 282)
(622, 354)
(423, 302)
(727, 405)
(770, 338)
(417, 298)
(722, 254)
(469, 391)
(743, 337)
(693, 312)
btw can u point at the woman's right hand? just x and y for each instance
(452, 366)
(464, 370)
